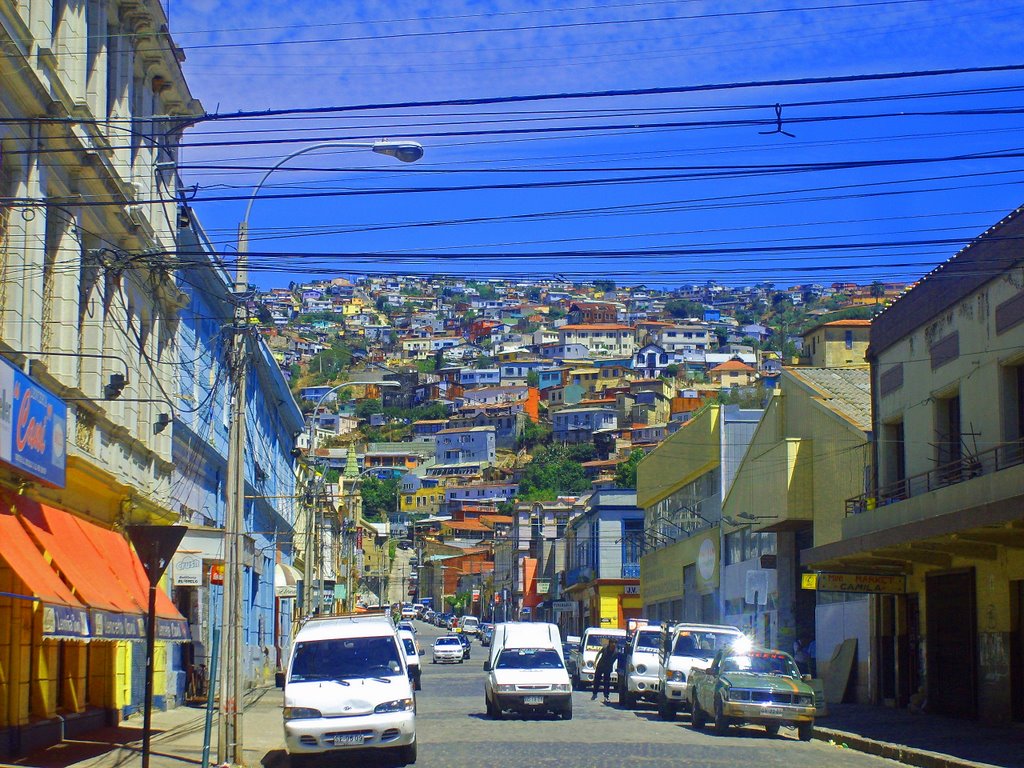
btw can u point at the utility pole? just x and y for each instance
(229, 735)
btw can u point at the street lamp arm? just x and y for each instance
(406, 151)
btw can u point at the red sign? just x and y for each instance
(359, 538)
(217, 573)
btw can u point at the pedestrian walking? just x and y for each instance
(603, 665)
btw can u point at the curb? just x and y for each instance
(899, 752)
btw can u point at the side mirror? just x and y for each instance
(422, 652)
(279, 679)
(806, 678)
(487, 666)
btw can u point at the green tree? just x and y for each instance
(555, 471)
(366, 408)
(604, 285)
(379, 497)
(532, 378)
(625, 473)
(534, 434)
(877, 290)
(683, 309)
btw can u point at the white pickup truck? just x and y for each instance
(688, 647)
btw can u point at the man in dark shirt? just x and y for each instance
(603, 665)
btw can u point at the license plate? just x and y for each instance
(533, 700)
(772, 710)
(348, 740)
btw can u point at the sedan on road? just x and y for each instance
(447, 650)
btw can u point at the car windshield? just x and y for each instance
(410, 646)
(648, 642)
(767, 663)
(529, 658)
(347, 658)
(701, 645)
(597, 642)
(447, 641)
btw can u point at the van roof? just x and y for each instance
(706, 628)
(603, 631)
(366, 625)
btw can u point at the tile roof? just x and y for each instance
(847, 391)
(597, 327)
(732, 365)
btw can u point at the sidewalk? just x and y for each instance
(929, 741)
(177, 740)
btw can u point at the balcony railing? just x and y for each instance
(631, 570)
(952, 473)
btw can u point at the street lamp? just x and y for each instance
(229, 741)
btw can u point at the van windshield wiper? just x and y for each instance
(314, 677)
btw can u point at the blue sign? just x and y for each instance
(33, 427)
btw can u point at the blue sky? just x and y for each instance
(655, 189)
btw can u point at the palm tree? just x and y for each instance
(877, 290)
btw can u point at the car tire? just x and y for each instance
(697, 717)
(461, 660)
(302, 761)
(627, 700)
(406, 755)
(772, 729)
(805, 731)
(666, 710)
(721, 721)
(566, 713)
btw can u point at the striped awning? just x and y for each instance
(286, 580)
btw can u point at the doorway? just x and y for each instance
(952, 642)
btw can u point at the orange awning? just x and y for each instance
(63, 616)
(104, 573)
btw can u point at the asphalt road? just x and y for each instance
(454, 732)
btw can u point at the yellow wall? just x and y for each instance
(804, 461)
(692, 451)
(424, 500)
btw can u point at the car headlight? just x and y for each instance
(301, 713)
(561, 687)
(804, 700)
(505, 687)
(398, 705)
(588, 665)
(641, 669)
(677, 677)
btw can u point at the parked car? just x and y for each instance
(594, 639)
(640, 673)
(570, 648)
(347, 686)
(466, 644)
(447, 650)
(756, 686)
(688, 647)
(470, 625)
(412, 657)
(486, 634)
(407, 626)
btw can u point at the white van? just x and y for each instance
(470, 625)
(526, 671)
(347, 687)
(594, 639)
(687, 646)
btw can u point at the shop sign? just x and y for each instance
(33, 427)
(217, 573)
(117, 626)
(65, 621)
(476, 595)
(631, 589)
(188, 569)
(862, 583)
(563, 606)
